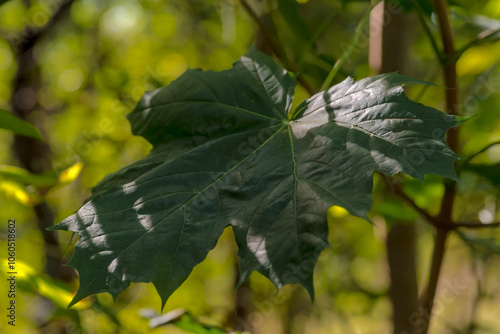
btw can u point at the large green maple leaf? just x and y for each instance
(227, 151)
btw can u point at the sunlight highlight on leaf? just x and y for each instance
(18, 192)
(478, 59)
(226, 154)
(338, 212)
(70, 174)
(56, 293)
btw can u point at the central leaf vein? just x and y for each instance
(184, 205)
(295, 177)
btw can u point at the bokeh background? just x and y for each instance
(75, 68)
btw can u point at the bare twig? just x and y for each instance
(445, 214)
(476, 41)
(433, 220)
(437, 261)
(269, 40)
(468, 159)
(472, 225)
(34, 155)
(29, 41)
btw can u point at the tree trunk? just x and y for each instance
(32, 154)
(390, 37)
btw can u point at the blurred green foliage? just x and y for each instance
(95, 64)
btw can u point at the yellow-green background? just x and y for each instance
(96, 64)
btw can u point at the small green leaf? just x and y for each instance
(23, 176)
(20, 127)
(49, 179)
(225, 154)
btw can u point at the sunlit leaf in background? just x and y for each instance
(27, 188)
(29, 280)
(49, 179)
(70, 174)
(18, 192)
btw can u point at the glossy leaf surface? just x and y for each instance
(229, 152)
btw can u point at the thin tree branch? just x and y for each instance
(29, 41)
(269, 40)
(34, 155)
(472, 225)
(389, 45)
(468, 159)
(430, 291)
(447, 203)
(476, 41)
(274, 48)
(433, 220)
